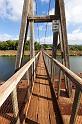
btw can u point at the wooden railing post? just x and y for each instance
(15, 106)
(52, 70)
(28, 74)
(75, 106)
(59, 83)
(32, 51)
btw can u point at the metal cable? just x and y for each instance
(47, 23)
(37, 23)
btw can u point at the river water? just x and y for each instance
(7, 65)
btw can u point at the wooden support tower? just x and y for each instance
(28, 18)
(24, 25)
(32, 51)
(40, 19)
(60, 15)
(38, 103)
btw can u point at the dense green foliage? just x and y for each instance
(47, 46)
(71, 47)
(8, 45)
(75, 47)
(12, 45)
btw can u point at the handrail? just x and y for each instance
(7, 88)
(75, 79)
(71, 75)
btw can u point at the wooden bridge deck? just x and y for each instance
(43, 107)
(41, 110)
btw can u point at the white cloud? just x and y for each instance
(47, 40)
(73, 17)
(5, 37)
(11, 9)
(51, 12)
(73, 11)
(75, 37)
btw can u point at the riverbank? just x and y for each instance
(11, 53)
(71, 53)
(14, 52)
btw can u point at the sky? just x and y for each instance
(10, 20)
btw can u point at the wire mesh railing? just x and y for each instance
(8, 97)
(76, 81)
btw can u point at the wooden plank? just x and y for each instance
(32, 112)
(32, 109)
(43, 105)
(41, 19)
(41, 112)
(50, 106)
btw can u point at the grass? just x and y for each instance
(14, 52)
(71, 52)
(11, 52)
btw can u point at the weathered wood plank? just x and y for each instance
(41, 19)
(42, 112)
(50, 106)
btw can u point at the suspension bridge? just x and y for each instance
(36, 94)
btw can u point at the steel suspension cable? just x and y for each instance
(37, 23)
(47, 23)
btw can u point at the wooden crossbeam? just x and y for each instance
(42, 18)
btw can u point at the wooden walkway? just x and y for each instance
(41, 107)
